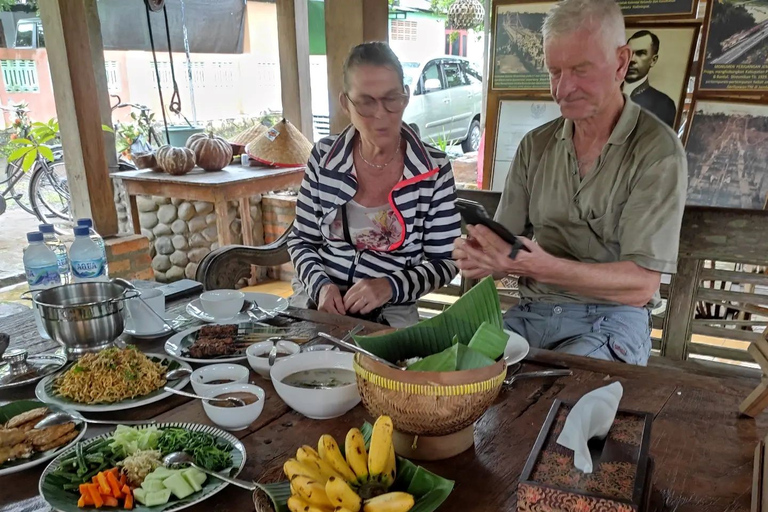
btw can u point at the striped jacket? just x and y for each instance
(423, 202)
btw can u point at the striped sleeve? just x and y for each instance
(305, 238)
(441, 227)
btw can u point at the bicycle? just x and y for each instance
(47, 195)
(144, 126)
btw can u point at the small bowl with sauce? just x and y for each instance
(320, 385)
(232, 417)
(258, 354)
(217, 375)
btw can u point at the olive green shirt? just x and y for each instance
(628, 207)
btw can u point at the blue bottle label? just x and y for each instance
(88, 269)
(43, 276)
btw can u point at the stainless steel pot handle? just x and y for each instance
(130, 291)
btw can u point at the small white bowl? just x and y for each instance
(318, 404)
(234, 418)
(202, 377)
(222, 304)
(258, 354)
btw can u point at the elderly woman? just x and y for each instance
(376, 216)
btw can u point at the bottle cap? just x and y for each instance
(46, 228)
(82, 231)
(85, 222)
(34, 236)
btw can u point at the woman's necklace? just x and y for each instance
(360, 151)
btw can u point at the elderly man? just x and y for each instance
(601, 190)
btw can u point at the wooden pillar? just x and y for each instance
(347, 24)
(293, 45)
(76, 59)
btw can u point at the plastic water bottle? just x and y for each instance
(87, 258)
(59, 249)
(97, 239)
(42, 269)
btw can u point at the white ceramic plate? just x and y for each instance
(37, 458)
(138, 334)
(68, 503)
(45, 392)
(178, 342)
(517, 348)
(267, 301)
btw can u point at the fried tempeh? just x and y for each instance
(59, 442)
(26, 417)
(12, 436)
(17, 451)
(46, 436)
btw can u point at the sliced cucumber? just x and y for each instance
(155, 498)
(178, 486)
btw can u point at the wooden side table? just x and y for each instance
(234, 182)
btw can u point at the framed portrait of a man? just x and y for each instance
(727, 148)
(657, 77)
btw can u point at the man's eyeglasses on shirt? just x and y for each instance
(368, 106)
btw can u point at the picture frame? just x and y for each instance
(734, 58)
(516, 116)
(649, 11)
(658, 75)
(727, 147)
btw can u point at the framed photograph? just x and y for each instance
(736, 47)
(675, 9)
(727, 147)
(516, 117)
(518, 47)
(657, 78)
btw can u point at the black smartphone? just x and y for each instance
(474, 213)
(181, 288)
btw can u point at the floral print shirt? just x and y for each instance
(372, 228)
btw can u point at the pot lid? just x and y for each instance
(19, 368)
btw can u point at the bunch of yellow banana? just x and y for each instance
(323, 480)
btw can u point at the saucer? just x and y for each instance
(166, 330)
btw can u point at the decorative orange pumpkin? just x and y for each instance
(212, 152)
(175, 161)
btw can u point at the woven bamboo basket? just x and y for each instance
(428, 403)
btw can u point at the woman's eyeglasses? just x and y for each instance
(367, 106)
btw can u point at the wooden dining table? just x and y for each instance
(702, 449)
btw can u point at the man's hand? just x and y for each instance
(367, 295)
(469, 267)
(330, 300)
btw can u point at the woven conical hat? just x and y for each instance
(283, 145)
(249, 135)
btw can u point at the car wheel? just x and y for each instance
(472, 142)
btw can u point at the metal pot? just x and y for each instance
(84, 317)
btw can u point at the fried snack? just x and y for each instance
(46, 436)
(12, 436)
(58, 442)
(34, 415)
(17, 451)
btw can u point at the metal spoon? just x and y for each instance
(534, 375)
(178, 373)
(59, 418)
(355, 348)
(182, 459)
(235, 401)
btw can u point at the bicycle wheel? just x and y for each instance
(49, 192)
(19, 191)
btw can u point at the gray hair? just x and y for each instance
(569, 16)
(375, 53)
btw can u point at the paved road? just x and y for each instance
(742, 48)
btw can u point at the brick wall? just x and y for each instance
(128, 257)
(278, 212)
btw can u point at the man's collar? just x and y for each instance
(637, 87)
(622, 130)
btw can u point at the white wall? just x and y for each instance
(430, 41)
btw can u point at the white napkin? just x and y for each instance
(592, 416)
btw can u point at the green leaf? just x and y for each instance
(46, 153)
(444, 361)
(462, 318)
(107, 128)
(19, 153)
(46, 138)
(20, 140)
(29, 159)
(489, 340)
(469, 359)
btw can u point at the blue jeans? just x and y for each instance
(612, 333)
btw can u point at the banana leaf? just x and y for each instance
(489, 340)
(428, 489)
(463, 318)
(445, 361)
(469, 359)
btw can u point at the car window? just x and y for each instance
(431, 72)
(410, 72)
(24, 35)
(472, 74)
(454, 76)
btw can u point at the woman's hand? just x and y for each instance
(330, 300)
(367, 295)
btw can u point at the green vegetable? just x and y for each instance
(130, 440)
(489, 340)
(152, 499)
(208, 451)
(178, 486)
